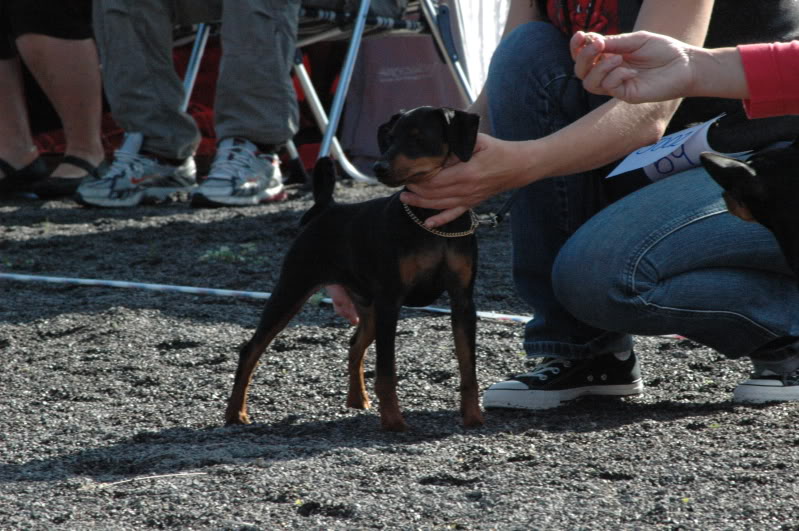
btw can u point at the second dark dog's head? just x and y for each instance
(764, 189)
(416, 144)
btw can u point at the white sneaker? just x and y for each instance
(768, 386)
(240, 176)
(133, 178)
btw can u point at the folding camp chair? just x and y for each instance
(322, 24)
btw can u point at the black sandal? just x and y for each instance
(55, 187)
(24, 179)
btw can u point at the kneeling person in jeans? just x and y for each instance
(599, 263)
(255, 107)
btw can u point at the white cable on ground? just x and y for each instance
(212, 291)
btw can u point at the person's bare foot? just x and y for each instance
(342, 303)
(19, 160)
(67, 170)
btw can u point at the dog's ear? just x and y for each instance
(742, 187)
(735, 176)
(383, 133)
(462, 130)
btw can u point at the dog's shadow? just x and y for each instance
(179, 450)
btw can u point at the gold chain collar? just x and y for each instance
(475, 222)
(470, 231)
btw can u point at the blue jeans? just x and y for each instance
(669, 258)
(532, 93)
(666, 259)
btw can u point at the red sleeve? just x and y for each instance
(772, 73)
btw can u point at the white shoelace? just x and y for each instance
(543, 370)
(230, 162)
(125, 164)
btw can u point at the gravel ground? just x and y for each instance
(112, 400)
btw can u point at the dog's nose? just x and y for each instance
(381, 168)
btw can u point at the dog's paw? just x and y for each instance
(473, 420)
(395, 424)
(237, 418)
(358, 401)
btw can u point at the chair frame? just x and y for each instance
(435, 18)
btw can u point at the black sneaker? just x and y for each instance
(768, 386)
(555, 380)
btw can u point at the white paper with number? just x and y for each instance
(672, 154)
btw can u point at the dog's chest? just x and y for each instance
(425, 275)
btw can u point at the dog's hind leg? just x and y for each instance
(289, 296)
(364, 335)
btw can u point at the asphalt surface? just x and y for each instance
(112, 399)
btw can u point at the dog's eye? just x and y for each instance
(419, 139)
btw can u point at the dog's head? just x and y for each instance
(764, 189)
(417, 143)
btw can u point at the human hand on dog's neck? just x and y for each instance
(450, 161)
(496, 165)
(602, 136)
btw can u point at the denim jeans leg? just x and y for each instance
(532, 93)
(669, 258)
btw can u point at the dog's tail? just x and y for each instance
(324, 183)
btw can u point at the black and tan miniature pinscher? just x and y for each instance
(385, 259)
(764, 189)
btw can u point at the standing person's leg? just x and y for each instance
(255, 97)
(143, 89)
(19, 162)
(145, 95)
(69, 74)
(671, 259)
(16, 143)
(256, 108)
(54, 40)
(532, 92)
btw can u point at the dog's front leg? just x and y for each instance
(386, 316)
(464, 330)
